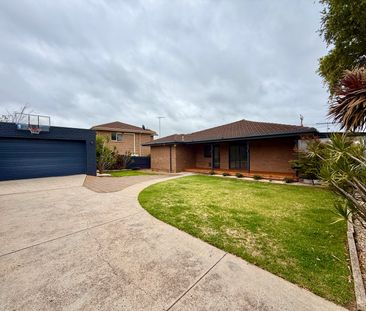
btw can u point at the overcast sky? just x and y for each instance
(197, 63)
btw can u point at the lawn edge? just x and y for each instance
(359, 288)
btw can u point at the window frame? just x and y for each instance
(205, 149)
(117, 134)
(241, 156)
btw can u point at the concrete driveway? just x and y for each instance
(66, 247)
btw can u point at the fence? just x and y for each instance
(139, 162)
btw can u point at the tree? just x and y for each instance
(15, 116)
(343, 27)
(106, 157)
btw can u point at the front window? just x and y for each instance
(207, 151)
(238, 156)
(116, 136)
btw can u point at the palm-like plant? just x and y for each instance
(344, 169)
(348, 103)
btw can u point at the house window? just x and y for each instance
(238, 156)
(116, 136)
(207, 151)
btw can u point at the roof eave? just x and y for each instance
(215, 140)
(106, 129)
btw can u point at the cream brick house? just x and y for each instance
(126, 137)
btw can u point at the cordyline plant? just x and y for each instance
(348, 103)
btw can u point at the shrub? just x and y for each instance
(306, 165)
(105, 156)
(288, 180)
(122, 161)
(212, 172)
(257, 177)
(225, 174)
(239, 175)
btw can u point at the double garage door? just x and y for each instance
(32, 158)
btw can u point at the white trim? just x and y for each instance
(140, 145)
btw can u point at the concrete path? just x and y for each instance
(74, 249)
(114, 184)
(39, 184)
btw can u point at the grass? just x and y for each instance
(124, 173)
(287, 230)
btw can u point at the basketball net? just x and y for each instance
(34, 129)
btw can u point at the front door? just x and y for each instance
(216, 156)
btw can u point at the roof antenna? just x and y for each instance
(301, 120)
(160, 125)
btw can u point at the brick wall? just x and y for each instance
(224, 156)
(131, 142)
(271, 155)
(184, 158)
(160, 158)
(201, 161)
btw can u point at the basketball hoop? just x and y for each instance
(34, 129)
(34, 123)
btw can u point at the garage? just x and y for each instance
(57, 152)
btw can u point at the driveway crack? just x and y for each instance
(195, 283)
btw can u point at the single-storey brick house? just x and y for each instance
(126, 138)
(252, 148)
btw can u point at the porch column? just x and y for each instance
(248, 157)
(212, 156)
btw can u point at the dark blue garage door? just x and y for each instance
(31, 158)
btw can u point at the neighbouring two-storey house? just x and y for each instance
(126, 138)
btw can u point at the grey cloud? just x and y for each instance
(198, 63)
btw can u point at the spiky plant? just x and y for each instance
(343, 168)
(348, 103)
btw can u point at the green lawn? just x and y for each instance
(124, 173)
(284, 229)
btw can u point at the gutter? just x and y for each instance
(119, 130)
(192, 142)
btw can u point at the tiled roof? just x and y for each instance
(123, 127)
(236, 130)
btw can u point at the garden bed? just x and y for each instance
(360, 238)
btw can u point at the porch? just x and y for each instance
(268, 158)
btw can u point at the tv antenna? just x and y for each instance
(160, 125)
(301, 120)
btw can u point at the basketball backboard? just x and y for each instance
(34, 123)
